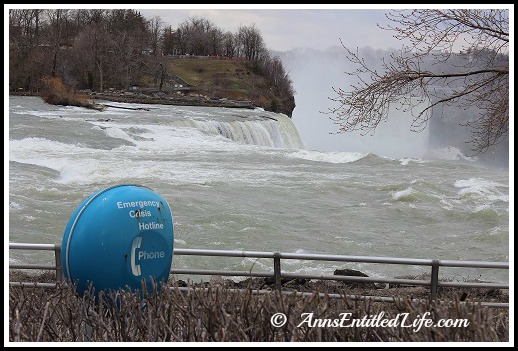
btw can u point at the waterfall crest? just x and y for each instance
(265, 129)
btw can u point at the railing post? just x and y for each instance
(434, 283)
(59, 266)
(277, 270)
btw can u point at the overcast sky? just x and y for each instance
(285, 28)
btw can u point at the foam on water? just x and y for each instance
(331, 157)
(482, 189)
(448, 153)
(406, 195)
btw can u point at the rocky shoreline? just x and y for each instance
(172, 99)
(159, 98)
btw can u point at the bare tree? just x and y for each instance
(229, 44)
(251, 42)
(456, 57)
(215, 41)
(196, 36)
(155, 26)
(25, 60)
(92, 48)
(58, 19)
(135, 35)
(169, 41)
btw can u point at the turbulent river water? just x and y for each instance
(239, 179)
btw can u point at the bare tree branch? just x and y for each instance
(456, 57)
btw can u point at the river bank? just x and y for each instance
(158, 98)
(172, 99)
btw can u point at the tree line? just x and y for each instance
(98, 48)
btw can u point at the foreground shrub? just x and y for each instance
(219, 314)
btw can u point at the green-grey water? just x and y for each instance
(239, 179)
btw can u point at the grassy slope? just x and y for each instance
(231, 79)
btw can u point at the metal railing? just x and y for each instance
(434, 283)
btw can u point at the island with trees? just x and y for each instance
(119, 55)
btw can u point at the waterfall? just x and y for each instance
(261, 128)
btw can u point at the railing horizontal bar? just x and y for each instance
(301, 256)
(32, 266)
(473, 285)
(302, 276)
(317, 257)
(408, 282)
(356, 279)
(299, 293)
(25, 246)
(352, 297)
(225, 253)
(495, 304)
(223, 273)
(474, 264)
(341, 258)
(363, 259)
(34, 285)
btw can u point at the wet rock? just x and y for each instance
(354, 273)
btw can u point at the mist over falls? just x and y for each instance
(315, 73)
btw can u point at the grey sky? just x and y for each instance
(284, 27)
(288, 28)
